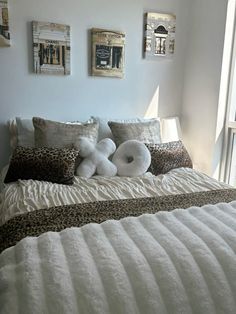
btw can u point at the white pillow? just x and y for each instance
(13, 133)
(21, 132)
(104, 130)
(132, 158)
(96, 158)
(25, 130)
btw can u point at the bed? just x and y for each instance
(147, 244)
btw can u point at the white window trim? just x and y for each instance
(231, 132)
(221, 133)
(229, 126)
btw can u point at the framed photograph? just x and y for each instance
(108, 49)
(4, 24)
(51, 45)
(159, 34)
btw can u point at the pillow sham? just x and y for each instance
(167, 156)
(104, 130)
(146, 132)
(25, 132)
(61, 135)
(43, 164)
(12, 127)
(22, 131)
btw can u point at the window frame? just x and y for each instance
(229, 151)
(230, 125)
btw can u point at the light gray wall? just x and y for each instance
(202, 81)
(80, 95)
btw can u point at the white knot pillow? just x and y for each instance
(132, 158)
(96, 158)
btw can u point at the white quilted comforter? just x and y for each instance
(179, 262)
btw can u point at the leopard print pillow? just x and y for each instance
(167, 156)
(44, 164)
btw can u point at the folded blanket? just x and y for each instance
(183, 262)
(61, 217)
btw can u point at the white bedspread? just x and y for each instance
(28, 195)
(179, 262)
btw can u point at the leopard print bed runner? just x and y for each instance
(62, 217)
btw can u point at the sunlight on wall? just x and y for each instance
(153, 108)
(171, 130)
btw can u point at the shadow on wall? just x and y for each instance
(89, 48)
(30, 47)
(5, 149)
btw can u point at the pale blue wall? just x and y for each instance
(78, 96)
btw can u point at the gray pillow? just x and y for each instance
(22, 131)
(105, 132)
(60, 135)
(146, 132)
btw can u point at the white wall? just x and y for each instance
(202, 81)
(80, 95)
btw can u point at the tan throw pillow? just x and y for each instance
(61, 135)
(43, 164)
(146, 132)
(167, 156)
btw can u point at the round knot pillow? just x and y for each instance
(132, 158)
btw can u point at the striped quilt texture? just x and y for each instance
(182, 262)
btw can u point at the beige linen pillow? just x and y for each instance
(60, 135)
(146, 132)
(105, 132)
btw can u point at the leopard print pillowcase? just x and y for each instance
(44, 164)
(167, 156)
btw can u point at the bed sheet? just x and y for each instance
(29, 195)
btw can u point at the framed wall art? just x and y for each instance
(51, 48)
(4, 24)
(159, 34)
(108, 50)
